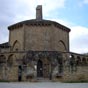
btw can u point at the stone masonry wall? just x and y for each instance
(17, 34)
(80, 74)
(45, 38)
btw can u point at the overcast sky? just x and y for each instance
(71, 13)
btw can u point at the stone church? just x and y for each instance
(39, 49)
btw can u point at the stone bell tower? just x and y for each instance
(39, 12)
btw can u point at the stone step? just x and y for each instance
(43, 80)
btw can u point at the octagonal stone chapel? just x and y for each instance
(37, 48)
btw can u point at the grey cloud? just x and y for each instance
(79, 44)
(5, 19)
(9, 9)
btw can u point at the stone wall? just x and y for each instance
(46, 38)
(17, 35)
(50, 65)
(78, 75)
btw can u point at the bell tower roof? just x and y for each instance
(39, 12)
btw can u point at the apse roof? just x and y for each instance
(40, 22)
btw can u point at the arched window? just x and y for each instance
(16, 46)
(10, 60)
(2, 59)
(62, 46)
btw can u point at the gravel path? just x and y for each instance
(43, 85)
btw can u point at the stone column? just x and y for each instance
(4, 72)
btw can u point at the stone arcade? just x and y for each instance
(39, 49)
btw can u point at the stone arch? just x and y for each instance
(62, 46)
(2, 59)
(60, 64)
(46, 64)
(10, 60)
(78, 61)
(39, 68)
(87, 60)
(16, 46)
(72, 59)
(72, 63)
(60, 58)
(2, 63)
(3, 68)
(44, 59)
(84, 61)
(24, 61)
(28, 58)
(72, 56)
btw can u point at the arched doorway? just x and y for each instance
(40, 68)
(19, 73)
